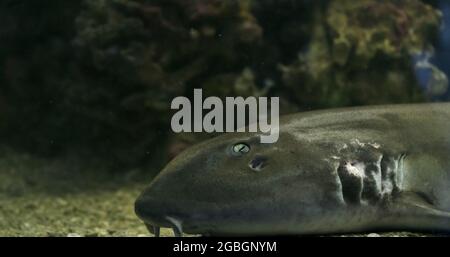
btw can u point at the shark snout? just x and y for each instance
(157, 213)
(149, 210)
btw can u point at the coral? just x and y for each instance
(360, 53)
(97, 77)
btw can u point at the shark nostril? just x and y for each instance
(176, 226)
(155, 230)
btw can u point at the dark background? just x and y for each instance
(95, 79)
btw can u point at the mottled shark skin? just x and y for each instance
(379, 168)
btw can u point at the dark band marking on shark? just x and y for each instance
(333, 171)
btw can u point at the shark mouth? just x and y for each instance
(175, 224)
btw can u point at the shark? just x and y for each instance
(345, 170)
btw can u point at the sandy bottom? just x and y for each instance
(56, 198)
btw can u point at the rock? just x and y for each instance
(74, 235)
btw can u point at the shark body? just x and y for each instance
(378, 168)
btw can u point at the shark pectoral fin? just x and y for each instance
(418, 211)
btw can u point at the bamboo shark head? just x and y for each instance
(235, 185)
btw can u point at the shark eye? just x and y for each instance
(241, 149)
